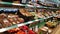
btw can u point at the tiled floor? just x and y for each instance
(57, 30)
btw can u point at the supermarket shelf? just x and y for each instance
(18, 25)
(50, 16)
(8, 3)
(22, 24)
(27, 5)
(43, 7)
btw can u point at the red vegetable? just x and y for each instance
(31, 32)
(20, 32)
(25, 28)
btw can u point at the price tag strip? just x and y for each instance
(8, 3)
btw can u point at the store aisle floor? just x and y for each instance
(57, 30)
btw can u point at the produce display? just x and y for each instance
(25, 14)
(51, 24)
(8, 20)
(49, 27)
(42, 13)
(28, 17)
(21, 30)
(47, 4)
(45, 30)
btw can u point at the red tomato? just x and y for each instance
(25, 28)
(20, 32)
(31, 32)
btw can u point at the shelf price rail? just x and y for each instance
(27, 5)
(9, 3)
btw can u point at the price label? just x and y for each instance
(33, 1)
(24, 1)
(31, 10)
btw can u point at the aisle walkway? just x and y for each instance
(57, 30)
